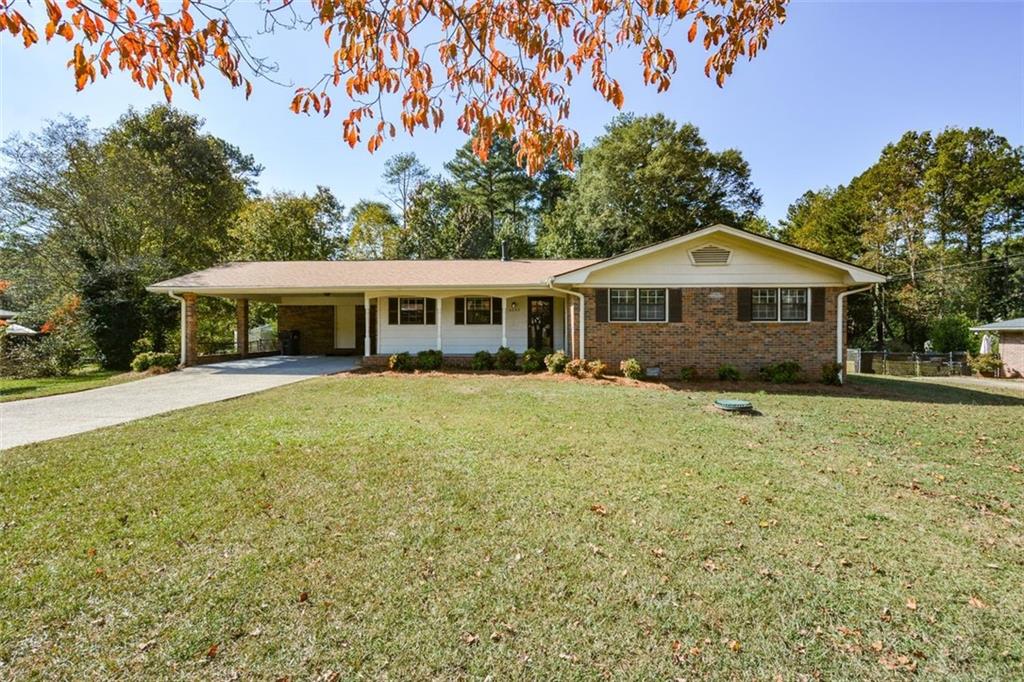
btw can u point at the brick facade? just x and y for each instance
(1011, 350)
(711, 335)
(191, 330)
(315, 324)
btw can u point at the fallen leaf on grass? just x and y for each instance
(744, 499)
(895, 661)
(735, 646)
(599, 509)
(572, 658)
(470, 638)
(303, 597)
(658, 552)
(977, 603)
(145, 646)
(212, 651)
(912, 604)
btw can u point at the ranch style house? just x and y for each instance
(717, 295)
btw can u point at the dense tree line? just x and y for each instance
(92, 216)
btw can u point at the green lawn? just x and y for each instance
(89, 377)
(416, 527)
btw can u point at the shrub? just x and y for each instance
(144, 361)
(597, 368)
(952, 334)
(576, 368)
(831, 373)
(632, 368)
(428, 360)
(532, 360)
(505, 358)
(482, 361)
(785, 372)
(989, 363)
(555, 362)
(727, 372)
(688, 374)
(401, 362)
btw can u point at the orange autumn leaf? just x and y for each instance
(503, 66)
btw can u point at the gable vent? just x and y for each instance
(710, 255)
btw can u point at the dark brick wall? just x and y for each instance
(710, 335)
(315, 324)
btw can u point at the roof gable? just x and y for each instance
(697, 259)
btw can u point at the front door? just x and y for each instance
(361, 329)
(540, 323)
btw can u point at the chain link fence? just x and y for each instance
(907, 364)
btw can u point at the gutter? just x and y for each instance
(181, 354)
(583, 317)
(840, 319)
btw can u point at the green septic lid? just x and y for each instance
(733, 405)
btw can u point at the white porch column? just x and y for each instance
(366, 323)
(438, 318)
(572, 330)
(504, 322)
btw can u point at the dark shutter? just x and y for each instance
(675, 305)
(818, 304)
(743, 304)
(601, 309)
(431, 311)
(392, 311)
(496, 310)
(460, 311)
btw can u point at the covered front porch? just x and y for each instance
(375, 324)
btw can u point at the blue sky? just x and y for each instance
(838, 81)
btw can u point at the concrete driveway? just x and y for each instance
(36, 419)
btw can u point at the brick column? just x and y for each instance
(191, 352)
(242, 325)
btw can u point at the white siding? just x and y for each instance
(463, 339)
(751, 264)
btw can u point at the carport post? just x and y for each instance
(189, 339)
(242, 326)
(366, 323)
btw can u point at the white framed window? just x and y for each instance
(478, 310)
(412, 311)
(622, 305)
(632, 305)
(793, 305)
(653, 305)
(780, 305)
(764, 305)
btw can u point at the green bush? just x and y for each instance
(576, 368)
(831, 373)
(688, 374)
(953, 334)
(401, 362)
(727, 372)
(532, 361)
(555, 362)
(631, 368)
(428, 360)
(785, 372)
(505, 358)
(597, 368)
(143, 361)
(989, 363)
(482, 361)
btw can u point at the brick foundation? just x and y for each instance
(315, 324)
(711, 335)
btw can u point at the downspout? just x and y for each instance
(181, 358)
(583, 317)
(840, 319)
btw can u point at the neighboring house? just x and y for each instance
(717, 295)
(1011, 343)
